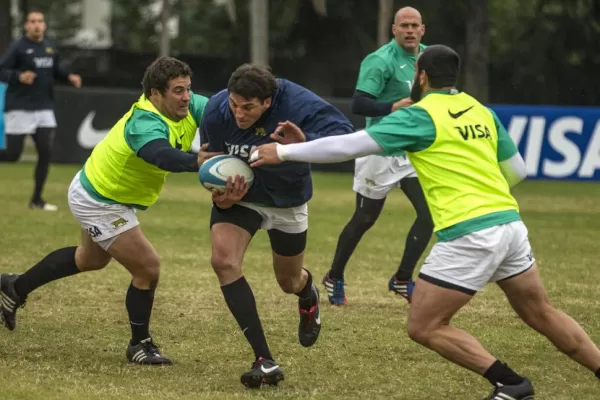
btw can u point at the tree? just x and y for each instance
(5, 26)
(165, 37)
(63, 17)
(385, 15)
(477, 50)
(536, 51)
(551, 56)
(133, 26)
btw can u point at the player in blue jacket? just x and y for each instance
(30, 67)
(236, 120)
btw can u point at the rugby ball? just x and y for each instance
(214, 172)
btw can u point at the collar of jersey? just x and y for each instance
(33, 42)
(444, 91)
(404, 52)
(147, 101)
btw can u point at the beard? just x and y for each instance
(415, 91)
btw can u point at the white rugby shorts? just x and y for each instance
(469, 262)
(102, 221)
(375, 176)
(24, 122)
(289, 220)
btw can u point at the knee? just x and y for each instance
(88, 262)
(44, 154)
(421, 330)
(417, 333)
(152, 269)
(425, 221)
(147, 271)
(223, 264)
(91, 265)
(424, 217)
(363, 220)
(288, 284)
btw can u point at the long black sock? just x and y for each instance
(43, 144)
(305, 294)
(139, 307)
(56, 265)
(365, 214)
(240, 300)
(501, 373)
(13, 149)
(420, 232)
(416, 243)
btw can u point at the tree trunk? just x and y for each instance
(383, 21)
(5, 25)
(165, 37)
(23, 8)
(259, 32)
(476, 60)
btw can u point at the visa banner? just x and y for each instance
(2, 137)
(556, 142)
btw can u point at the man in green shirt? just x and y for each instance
(125, 172)
(466, 163)
(384, 84)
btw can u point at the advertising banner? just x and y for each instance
(556, 142)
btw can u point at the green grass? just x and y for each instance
(71, 338)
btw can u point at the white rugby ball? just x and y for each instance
(214, 172)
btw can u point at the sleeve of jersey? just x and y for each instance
(510, 161)
(60, 71)
(8, 65)
(366, 104)
(144, 127)
(325, 120)
(408, 129)
(197, 106)
(159, 152)
(372, 75)
(328, 150)
(506, 147)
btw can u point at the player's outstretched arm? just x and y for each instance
(160, 153)
(332, 149)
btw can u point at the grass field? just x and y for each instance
(71, 338)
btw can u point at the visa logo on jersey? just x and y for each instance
(555, 142)
(240, 150)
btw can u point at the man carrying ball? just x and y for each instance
(236, 120)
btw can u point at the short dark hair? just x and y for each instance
(442, 65)
(161, 71)
(253, 81)
(33, 11)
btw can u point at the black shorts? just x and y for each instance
(282, 243)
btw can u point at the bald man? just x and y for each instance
(384, 84)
